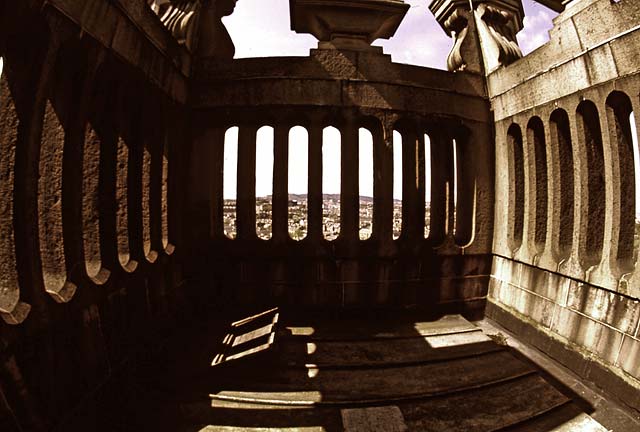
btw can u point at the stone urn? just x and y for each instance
(347, 24)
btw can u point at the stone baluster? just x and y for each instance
(349, 199)
(383, 184)
(215, 139)
(246, 203)
(315, 199)
(280, 212)
(442, 205)
(466, 185)
(412, 186)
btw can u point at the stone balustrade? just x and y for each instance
(566, 241)
(446, 269)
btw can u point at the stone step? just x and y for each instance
(565, 418)
(353, 330)
(490, 408)
(361, 386)
(384, 352)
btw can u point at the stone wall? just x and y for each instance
(447, 271)
(92, 98)
(565, 245)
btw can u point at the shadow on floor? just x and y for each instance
(335, 372)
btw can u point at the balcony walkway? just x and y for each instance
(309, 374)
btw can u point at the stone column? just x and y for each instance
(441, 187)
(215, 139)
(315, 183)
(246, 204)
(280, 183)
(466, 185)
(350, 199)
(383, 184)
(412, 185)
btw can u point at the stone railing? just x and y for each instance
(91, 114)
(348, 90)
(566, 241)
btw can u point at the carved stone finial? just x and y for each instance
(485, 37)
(179, 17)
(215, 41)
(347, 24)
(502, 26)
(198, 22)
(458, 24)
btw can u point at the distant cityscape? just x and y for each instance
(298, 217)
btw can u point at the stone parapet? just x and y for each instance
(593, 331)
(565, 219)
(135, 34)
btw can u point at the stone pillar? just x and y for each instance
(216, 193)
(280, 183)
(441, 187)
(485, 36)
(383, 183)
(467, 185)
(412, 186)
(350, 197)
(315, 182)
(246, 204)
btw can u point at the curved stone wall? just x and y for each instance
(80, 188)
(572, 272)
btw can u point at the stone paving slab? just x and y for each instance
(379, 352)
(373, 419)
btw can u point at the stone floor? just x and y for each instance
(284, 373)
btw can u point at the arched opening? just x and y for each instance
(147, 187)
(9, 285)
(331, 172)
(91, 205)
(563, 198)
(516, 186)
(619, 118)
(536, 147)
(298, 182)
(593, 185)
(365, 169)
(397, 184)
(264, 182)
(427, 185)
(636, 163)
(454, 186)
(230, 179)
(164, 199)
(122, 205)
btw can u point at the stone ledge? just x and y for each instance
(624, 388)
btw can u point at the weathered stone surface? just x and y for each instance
(374, 419)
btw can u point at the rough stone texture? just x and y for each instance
(592, 321)
(58, 147)
(387, 418)
(578, 284)
(106, 169)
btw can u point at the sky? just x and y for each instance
(262, 28)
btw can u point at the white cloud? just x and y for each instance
(262, 28)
